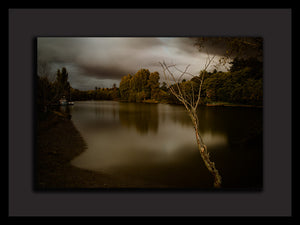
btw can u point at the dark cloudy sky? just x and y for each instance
(102, 61)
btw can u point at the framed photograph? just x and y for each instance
(150, 112)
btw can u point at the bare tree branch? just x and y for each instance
(191, 104)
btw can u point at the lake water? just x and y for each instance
(154, 145)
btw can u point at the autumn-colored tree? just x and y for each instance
(140, 83)
(125, 86)
(141, 86)
(153, 84)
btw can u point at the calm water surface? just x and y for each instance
(154, 145)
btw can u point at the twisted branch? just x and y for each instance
(191, 106)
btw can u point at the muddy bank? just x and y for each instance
(57, 143)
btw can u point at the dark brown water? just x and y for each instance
(153, 145)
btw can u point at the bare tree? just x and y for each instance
(191, 102)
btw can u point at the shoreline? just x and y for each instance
(231, 105)
(212, 104)
(57, 143)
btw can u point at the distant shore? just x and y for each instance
(211, 104)
(228, 104)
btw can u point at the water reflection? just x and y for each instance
(144, 117)
(155, 143)
(239, 125)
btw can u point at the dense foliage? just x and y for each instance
(49, 93)
(141, 86)
(242, 84)
(97, 94)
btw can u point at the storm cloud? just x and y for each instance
(102, 61)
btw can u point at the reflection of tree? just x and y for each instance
(239, 124)
(144, 117)
(180, 116)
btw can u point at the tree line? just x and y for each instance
(242, 84)
(96, 94)
(141, 86)
(48, 93)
